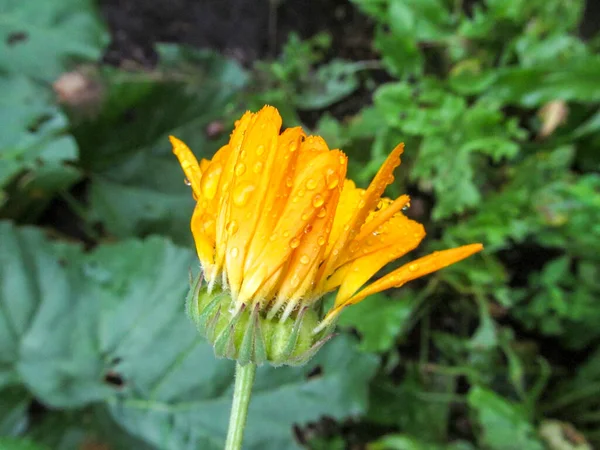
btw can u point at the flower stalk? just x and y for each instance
(244, 379)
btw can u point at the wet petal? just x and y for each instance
(366, 204)
(390, 241)
(300, 210)
(188, 163)
(415, 269)
(248, 191)
(280, 184)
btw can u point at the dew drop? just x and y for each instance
(260, 150)
(304, 259)
(300, 193)
(240, 169)
(322, 213)
(243, 154)
(242, 193)
(305, 216)
(308, 228)
(311, 184)
(289, 182)
(332, 180)
(318, 200)
(321, 240)
(294, 243)
(286, 233)
(210, 180)
(232, 227)
(257, 167)
(187, 182)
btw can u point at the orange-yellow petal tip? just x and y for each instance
(188, 163)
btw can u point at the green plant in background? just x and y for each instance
(497, 102)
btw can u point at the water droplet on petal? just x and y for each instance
(294, 243)
(260, 150)
(321, 240)
(257, 167)
(289, 182)
(240, 169)
(210, 180)
(318, 200)
(231, 227)
(242, 192)
(322, 213)
(300, 193)
(332, 180)
(304, 259)
(243, 154)
(308, 228)
(286, 233)
(187, 182)
(311, 184)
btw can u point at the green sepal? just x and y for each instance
(245, 334)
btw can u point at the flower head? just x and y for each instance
(277, 224)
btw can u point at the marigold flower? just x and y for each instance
(277, 224)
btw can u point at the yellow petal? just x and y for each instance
(189, 164)
(225, 165)
(280, 185)
(203, 230)
(382, 216)
(306, 259)
(300, 210)
(248, 191)
(392, 240)
(415, 269)
(366, 204)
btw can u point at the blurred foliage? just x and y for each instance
(497, 102)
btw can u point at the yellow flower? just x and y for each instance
(278, 225)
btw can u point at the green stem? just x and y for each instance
(244, 379)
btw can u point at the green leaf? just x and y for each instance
(183, 411)
(33, 142)
(380, 320)
(330, 83)
(456, 139)
(13, 414)
(504, 424)
(46, 331)
(19, 444)
(109, 325)
(407, 442)
(43, 39)
(137, 185)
